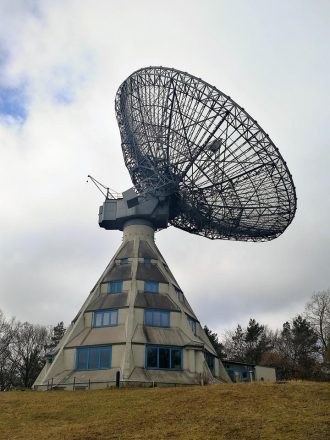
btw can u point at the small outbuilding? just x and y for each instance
(242, 372)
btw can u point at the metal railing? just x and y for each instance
(77, 385)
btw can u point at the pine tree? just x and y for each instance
(56, 335)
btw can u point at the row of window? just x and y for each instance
(125, 260)
(117, 286)
(157, 318)
(96, 358)
(105, 318)
(159, 357)
(152, 317)
(149, 287)
(164, 357)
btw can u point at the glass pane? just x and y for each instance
(176, 358)
(116, 286)
(114, 317)
(151, 357)
(164, 358)
(165, 319)
(106, 318)
(82, 359)
(98, 319)
(94, 354)
(148, 317)
(105, 357)
(192, 325)
(179, 294)
(156, 318)
(210, 361)
(151, 286)
(124, 261)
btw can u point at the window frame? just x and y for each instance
(179, 294)
(159, 347)
(88, 351)
(193, 325)
(167, 313)
(102, 313)
(115, 286)
(149, 289)
(210, 357)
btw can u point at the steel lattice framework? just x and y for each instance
(185, 140)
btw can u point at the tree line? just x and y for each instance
(23, 349)
(299, 350)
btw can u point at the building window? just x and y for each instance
(210, 360)
(147, 260)
(151, 286)
(123, 261)
(157, 318)
(115, 286)
(169, 358)
(94, 358)
(105, 318)
(179, 294)
(192, 324)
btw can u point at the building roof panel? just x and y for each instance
(155, 301)
(149, 272)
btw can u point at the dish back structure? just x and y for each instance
(185, 140)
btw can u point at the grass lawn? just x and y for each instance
(296, 410)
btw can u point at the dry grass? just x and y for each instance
(297, 411)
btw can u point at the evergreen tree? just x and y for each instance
(258, 342)
(214, 339)
(56, 335)
(297, 345)
(238, 345)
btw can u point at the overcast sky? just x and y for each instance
(61, 63)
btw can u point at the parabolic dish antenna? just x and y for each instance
(186, 142)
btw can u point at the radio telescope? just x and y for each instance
(200, 162)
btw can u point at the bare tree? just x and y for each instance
(317, 312)
(7, 367)
(28, 351)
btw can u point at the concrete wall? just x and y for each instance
(265, 373)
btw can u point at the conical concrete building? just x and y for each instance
(136, 321)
